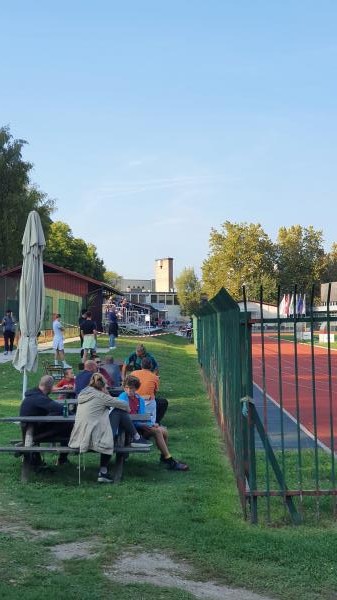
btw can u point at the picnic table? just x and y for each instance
(113, 391)
(31, 443)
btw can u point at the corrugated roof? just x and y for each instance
(56, 268)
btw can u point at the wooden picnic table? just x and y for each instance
(58, 419)
(113, 391)
(28, 445)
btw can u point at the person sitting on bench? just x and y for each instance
(137, 406)
(38, 403)
(93, 428)
(66, 383)
(134, 361)
(149, 386)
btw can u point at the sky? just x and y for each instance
(151, 122)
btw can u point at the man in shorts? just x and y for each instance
(58, 342)
(89, 332)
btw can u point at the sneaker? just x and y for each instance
(5, 353)
(141, 443)
(175, 465)
(104, 478)
(113, 348)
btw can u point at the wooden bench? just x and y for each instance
(31, 444)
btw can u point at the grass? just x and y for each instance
(194, 515)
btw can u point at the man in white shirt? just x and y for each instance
(58, 344)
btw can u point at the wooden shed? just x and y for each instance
(67, 293)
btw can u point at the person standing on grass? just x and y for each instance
(8, 325)
(58, 342)
(113, 329)
(137, 406)
(80, 322)
(89, 333)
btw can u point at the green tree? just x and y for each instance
(64, 250)
(240, 254)
(330, 268)
(113, 279)
(301, 257)
(188, 291)
(17, 198)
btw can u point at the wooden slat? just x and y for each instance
(64, 449)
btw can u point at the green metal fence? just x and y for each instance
(219, 336)
(272, 380)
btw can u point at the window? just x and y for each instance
(154, 299)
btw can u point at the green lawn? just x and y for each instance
(194, 515)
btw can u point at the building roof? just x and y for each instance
(51, 268)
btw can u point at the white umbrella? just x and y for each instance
(31, 302)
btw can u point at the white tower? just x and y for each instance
(164, 274)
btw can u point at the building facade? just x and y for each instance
(159, 292)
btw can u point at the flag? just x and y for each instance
(303, 306)
(299, 308)
(286, 305)
(291, 305)
(282, 309)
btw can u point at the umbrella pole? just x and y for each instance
(24, 383)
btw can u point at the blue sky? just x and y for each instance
(150, 122)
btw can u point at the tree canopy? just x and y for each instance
(113, 279)
(243, 254)
(301, 257)
(72, 253)
(17, 198)
(188, 291)
(240, 254)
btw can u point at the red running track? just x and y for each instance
(305, 382)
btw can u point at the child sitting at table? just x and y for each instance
(66, 383)
(151, 429)
(68, 380)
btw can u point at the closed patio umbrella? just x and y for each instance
(31, 298)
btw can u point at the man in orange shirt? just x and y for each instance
(149, 386)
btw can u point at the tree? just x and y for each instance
(188, 291)
(240, 254)
(72, 253)
(17, 198)
(301, 258)
(113, 279)
(330, 268)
